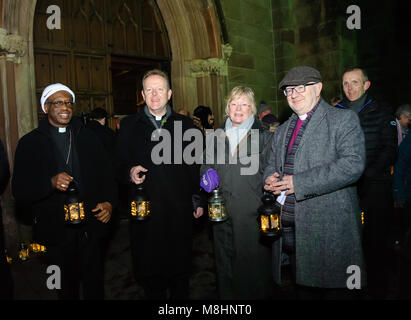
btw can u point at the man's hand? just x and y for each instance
(134, 174)
(198, 213)
(61, 181)
(286, 184)
(106, 210)
(269, 182)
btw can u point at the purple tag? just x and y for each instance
(210, 180)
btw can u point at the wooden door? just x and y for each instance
(79, 54)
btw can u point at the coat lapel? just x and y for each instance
(315, 121)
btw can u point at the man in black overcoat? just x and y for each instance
(60, 152)
(161, 246)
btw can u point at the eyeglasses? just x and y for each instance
(60, 103)
(235, 105)
(299, 89)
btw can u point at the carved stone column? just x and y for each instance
(12, 46)
(12, 49)
(211, 76)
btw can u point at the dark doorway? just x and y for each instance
(126, 75)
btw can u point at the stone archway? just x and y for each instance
(198, 67)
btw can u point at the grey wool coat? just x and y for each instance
(243, 258)
(329, 160)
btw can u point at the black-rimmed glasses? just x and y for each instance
(299, 89)
(60, 103)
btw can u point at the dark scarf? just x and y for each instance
(356, 105)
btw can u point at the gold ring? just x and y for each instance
(63, 185)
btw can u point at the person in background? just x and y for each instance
(402, 199)
(403, 118)
(243, 260)
(203, 118)
(270, 122)
(375, 186)
(263, 110)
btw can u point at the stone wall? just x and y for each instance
(312, 33)
(250, 33)
(269, 37)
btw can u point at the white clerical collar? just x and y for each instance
(303, 117)
(62, 130)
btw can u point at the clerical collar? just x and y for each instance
(303, 117)
(158, 121)
(62, 130)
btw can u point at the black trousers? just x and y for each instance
(79, 259)
(377, 203)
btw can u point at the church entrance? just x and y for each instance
(101, 51)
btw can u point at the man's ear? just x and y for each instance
(46, 108)
(367, 84)
(169, 94)
(319, 87)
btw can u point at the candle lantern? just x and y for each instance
(140, 204)
(73, 206)
(216, 207)
(269, 216)
(24, 252)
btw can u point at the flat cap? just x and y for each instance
(300, 75)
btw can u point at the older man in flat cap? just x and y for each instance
(59, 153)
(316, 156)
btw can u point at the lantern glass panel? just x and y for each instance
(74, 212)
(216, 207)
(140, 209)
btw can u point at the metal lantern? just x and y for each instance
(140, 204)
(269, 216)
(23, 252)
(73, 206)
(216, 207)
